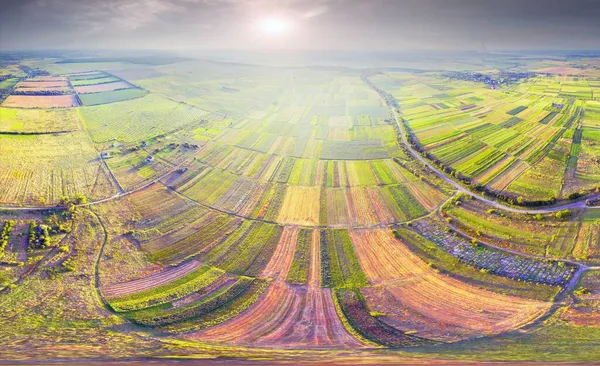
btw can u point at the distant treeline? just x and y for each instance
(42, 92)
(144, 60)
(31, 72)
(35, 133)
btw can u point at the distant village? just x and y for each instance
(494, 81)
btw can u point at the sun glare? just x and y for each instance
(274, 26)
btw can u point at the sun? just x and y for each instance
(274, 26)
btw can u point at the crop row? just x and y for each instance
(339, 264)
(191, 282)
(495, 261)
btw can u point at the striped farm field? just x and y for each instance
(41, 101)
(119, 85)
(337, 207)
(502, 140)
(210, 229)
(138, 119)
(300, 206)
(223, 298)
(339, 264)
(131, 287)
(281, 261)
(414, 297)
(153, 215)
(107, 97)
(285, 315)
(177, 288)
(249, 252)
(14, 120)
(44, 168)
(284, 318)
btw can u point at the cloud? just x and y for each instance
(327, 24)
(97, 16)
(94, 16)
(316, 11)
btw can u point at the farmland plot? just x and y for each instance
(211, 230)
(359, 207)
(138, 119)
(29, 121)
(218, 301)
(131, 169)
(38, 86)
(304, 265)
(416, 298)
(195, 281)
(288, 316)
(502, 140)
(104, 87)
(111, 96)
(337, 209)
(285, 317)
(242, 197)
(147, 283)
(41, 101)
(501, 263)
(152, 214)
(339, 265)
(44, 168)
(587, 242)
(301, 206)
(248, 251)
(354, 150)
(210, 186)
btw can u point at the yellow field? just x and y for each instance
(300, 206)
(36, 120)
(43, 168)
(417, 298)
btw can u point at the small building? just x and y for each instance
(150, 158)
(144, 144)
(105, 155)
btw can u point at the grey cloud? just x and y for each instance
(390, 25)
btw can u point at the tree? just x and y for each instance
(562, 214)
(79, 199)
(4, 279)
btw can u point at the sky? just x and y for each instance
(352, 25)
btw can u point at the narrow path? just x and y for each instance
(97, 264)
(98, 285)
(112, 177)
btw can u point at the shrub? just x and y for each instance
(582, 291)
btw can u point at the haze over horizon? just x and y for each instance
(378, 25)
